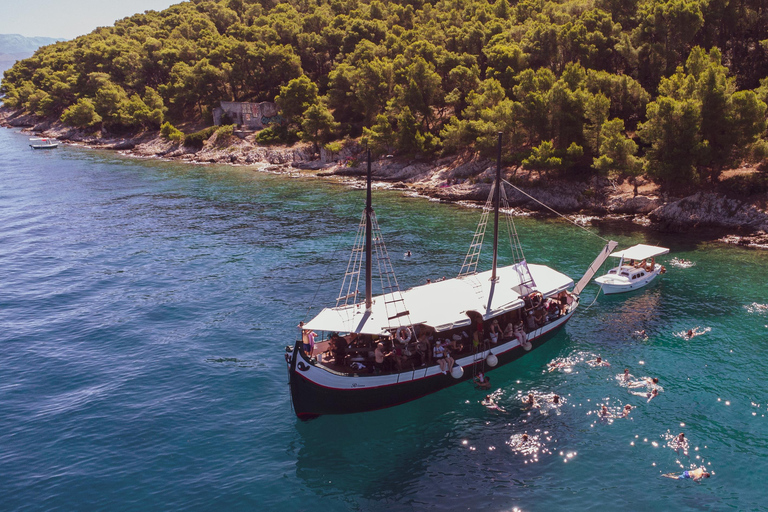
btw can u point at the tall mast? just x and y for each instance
(368, 241)
(496, 201)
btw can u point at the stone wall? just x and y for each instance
(251, 116)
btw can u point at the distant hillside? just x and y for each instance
(15, 47)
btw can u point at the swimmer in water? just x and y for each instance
(557, 364)
(679, 443)
(645, 381)
(523, 440)
(694, 474)
(626, 411)
(408, 254)
(491, 404)
(598, 361)
(653, 394)
(626, 377)
(604, 412)
(694, 332)
(556, 400)
(531, 400)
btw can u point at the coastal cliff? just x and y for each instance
(462, 178)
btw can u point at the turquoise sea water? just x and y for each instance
(144, 307)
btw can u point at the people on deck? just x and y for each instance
(379, 356)
(339, 348)
(442, 356)
(308, 339)
(422, 349)
(494, 331)
(509, 331)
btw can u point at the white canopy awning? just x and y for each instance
(443, 305)
(640, 252)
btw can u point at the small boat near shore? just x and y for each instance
(637, 267)
(374, 352)
(43, 143)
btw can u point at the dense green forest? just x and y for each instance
(673, 88)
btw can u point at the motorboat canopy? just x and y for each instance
(640, 252)
(443, 305)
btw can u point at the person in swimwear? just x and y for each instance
(694, 474)
(604, 411)
(599, 362)
(653, 394)
(626, 411)
(694, 332)
(626, 377)
(482, 382)
(531, 400)
(491, 404)
(556, 400)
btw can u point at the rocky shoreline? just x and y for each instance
(463, 178)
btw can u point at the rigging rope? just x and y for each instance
(323, 280)
(599, 289)
(554, 211)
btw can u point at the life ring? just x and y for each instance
(404, 338)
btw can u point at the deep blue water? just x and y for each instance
(144, 308)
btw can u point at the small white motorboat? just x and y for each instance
(40, 143)
(637, 267)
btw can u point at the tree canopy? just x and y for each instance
(610, 86)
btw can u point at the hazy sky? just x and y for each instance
(67, 19)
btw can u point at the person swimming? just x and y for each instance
(491, 404)
(653, 394)
(598, 361)
(679, 443)
(625, 412)
(531, 400)
(694, 474)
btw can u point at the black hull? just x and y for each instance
(311, 399)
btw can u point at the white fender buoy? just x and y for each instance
(492, 360)
(457, 372)
(527, 345)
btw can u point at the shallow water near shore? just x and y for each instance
(145, 306)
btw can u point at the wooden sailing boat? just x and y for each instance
(345, 371)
